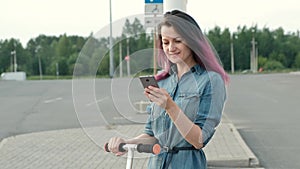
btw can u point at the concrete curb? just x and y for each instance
(2, 142)
(6, 140)
(253, 160)
(228, 149)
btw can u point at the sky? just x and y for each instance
(26, 19)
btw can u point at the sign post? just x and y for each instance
(153, 12)
(153, 15)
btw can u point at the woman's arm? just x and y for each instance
(142, 139)
(191, 132)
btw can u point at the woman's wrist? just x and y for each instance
(172, 108)
(169, 104)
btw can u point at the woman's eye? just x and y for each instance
(177, 41)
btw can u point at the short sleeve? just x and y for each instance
(211, 106)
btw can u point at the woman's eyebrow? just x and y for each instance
(167, 38)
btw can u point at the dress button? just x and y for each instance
(193, 69)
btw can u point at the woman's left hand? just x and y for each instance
(157, 95)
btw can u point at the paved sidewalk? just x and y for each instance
(83, 148)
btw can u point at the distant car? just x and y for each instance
(13, 76)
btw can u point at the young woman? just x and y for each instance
(187, 106)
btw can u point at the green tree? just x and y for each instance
(221, 42)
(297, 61)
(276, 49)
(134, 34)
(242, 48)
(266, 42)
(42, 47)
(7, 50)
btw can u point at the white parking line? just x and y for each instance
(122, 118)
(97, 101)
(52, 100)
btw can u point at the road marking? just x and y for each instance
(122, 118)
(97, 101)
(52, 100)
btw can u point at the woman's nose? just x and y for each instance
(172, 47)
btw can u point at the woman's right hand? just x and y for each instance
(113, 145)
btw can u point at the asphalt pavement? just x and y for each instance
(56, 124)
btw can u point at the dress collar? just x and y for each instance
(197, 69)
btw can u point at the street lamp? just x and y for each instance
(39, 59)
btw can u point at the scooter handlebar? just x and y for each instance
(141, 148)
(148, 148)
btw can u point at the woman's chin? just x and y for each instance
(175, 59)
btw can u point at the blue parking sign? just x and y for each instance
(154, 1)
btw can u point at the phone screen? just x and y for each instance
(148, 81)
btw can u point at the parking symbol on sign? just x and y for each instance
(154, 1)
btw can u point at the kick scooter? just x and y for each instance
(130, 148)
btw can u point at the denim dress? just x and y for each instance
(201, 96)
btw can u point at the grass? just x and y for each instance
(66, 77)
(265, 71)
(48, 77)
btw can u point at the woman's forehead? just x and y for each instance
(169, 32)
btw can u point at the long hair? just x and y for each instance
(203, 51)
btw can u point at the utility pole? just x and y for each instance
(14, 56)
(57, 70)
(128, 58)
(154, 52)
(40, 67)
(232, 53)
(13, 60)
(253, 56)
(256, 58)
(120, 59)
(39, 60)
(111, 54)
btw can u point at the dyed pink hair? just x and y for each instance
(204, 53)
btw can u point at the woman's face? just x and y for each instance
(175, 47)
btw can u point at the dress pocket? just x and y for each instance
(189, 103)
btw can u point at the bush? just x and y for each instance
(297, 61)
(273, 65)
(262, 61)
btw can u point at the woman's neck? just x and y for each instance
(184, 67)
